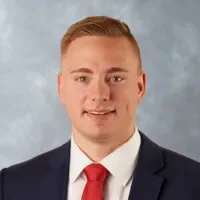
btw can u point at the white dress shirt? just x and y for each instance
(120, 164)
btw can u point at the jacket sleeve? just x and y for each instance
(2, 183)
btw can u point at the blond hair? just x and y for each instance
(99, 26)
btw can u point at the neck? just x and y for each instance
(97, 149)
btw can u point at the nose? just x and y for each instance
(99, 91)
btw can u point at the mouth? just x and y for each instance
(103, 112)
(100, 115)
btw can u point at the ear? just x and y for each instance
(60, 87)
(141, 86)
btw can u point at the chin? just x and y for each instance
(98, 132)
(95, 130)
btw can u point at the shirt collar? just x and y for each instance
(120, 163)
(78, 161)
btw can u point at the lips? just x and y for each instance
(100, 115)
(99, 112)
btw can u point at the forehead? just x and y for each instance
(99, 52)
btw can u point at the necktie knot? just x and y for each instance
(96, 172)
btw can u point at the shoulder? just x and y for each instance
(171, 160)
(181, 174)
(180, 163)
(35, 165)
(26, 177)
(175, 168)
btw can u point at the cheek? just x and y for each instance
(73, 98)
(126, 100)
(122, 101)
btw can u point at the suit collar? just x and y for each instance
(147, 182)
(58, 162)
(150, 155)
(60, 155)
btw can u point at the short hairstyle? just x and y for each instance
(99, 26)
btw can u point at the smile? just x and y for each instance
(100, 115)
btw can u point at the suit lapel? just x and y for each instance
(146, 182)
(59, 163)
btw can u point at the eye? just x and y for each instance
(81, 79)
(116, 79)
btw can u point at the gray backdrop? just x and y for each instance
(32, 120)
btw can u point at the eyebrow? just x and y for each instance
(109, 71)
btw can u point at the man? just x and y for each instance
(100, 84)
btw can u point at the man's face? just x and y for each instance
(100, 87)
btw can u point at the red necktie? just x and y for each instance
(96, 175)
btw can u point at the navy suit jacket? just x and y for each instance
(159, 175)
